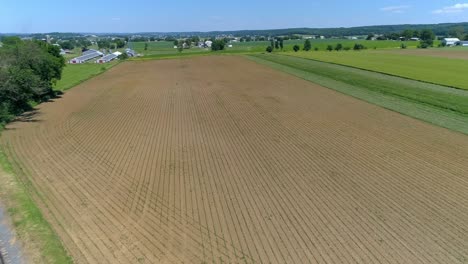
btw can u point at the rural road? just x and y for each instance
(10, 252)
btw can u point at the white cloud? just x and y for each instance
(457, 8)
(116, 18)
(395, 9)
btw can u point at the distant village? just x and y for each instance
(106, 48)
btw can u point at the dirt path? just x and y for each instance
(219, 159)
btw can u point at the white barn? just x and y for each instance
(450, 41)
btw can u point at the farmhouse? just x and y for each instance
(87, 55)
(208, 43)
(450, 41)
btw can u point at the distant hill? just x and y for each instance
(439, 29)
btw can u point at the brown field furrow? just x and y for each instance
(221, 160)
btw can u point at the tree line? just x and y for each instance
(28, 71)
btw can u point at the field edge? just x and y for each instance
(454, 126)
(41, 244)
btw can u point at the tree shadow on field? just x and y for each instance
(30, 116)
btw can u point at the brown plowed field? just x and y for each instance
(221, 160)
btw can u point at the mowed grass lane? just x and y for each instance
(444, 71)
(74, 74)
(440, 105)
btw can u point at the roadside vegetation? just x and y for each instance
(440, 105)
(28, 72)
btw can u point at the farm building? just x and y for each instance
(130, 53)
(107, 58)
(208, 43)
(86, 56)
(463, 43)
(450, 41)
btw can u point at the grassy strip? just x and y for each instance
(439, 105)
(74, 74)
(443, 71)
(28, 220)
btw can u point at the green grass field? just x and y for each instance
(74, 74)
(161, 48)
(439, 105)
(444, 71)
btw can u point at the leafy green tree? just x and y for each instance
(407, 34)
(217, 45)
(330, 48)
(338, 47)
(176, 42)
(370, 36)
(358, 46)
(281, 43)
(119, 43)
(28, 70)
(457, 32)
(296, 48)
(67, 45)
(146, 46)
(427, 38)
(272, 43)
(307, 45)
(277, 46)
(269, 49)
(103, 44)
(123, 56)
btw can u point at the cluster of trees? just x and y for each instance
(28, 70)
(308, 47)
(110, 44)
(70, 44)
(407, 34)
(277, 43)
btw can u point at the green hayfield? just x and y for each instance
(444, 71)
(439, 105)
(74, 74)
(167, 47)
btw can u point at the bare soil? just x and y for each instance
(219, 159)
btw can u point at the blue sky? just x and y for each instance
(30, 16)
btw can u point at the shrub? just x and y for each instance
(296, 48)
(338, 47)
(307, 45)
(269, 49)
(359, 47)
